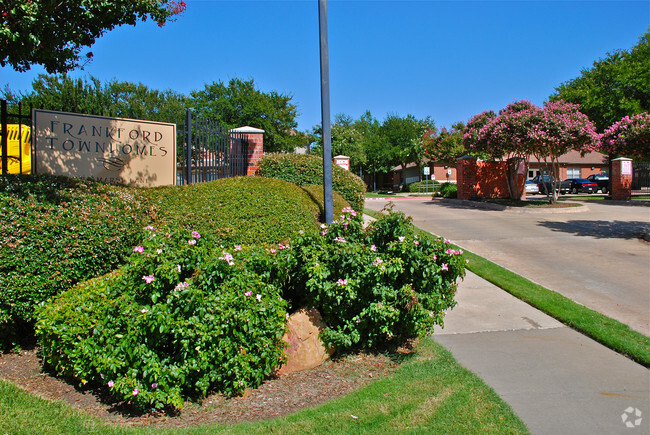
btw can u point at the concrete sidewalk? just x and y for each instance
(557, 380)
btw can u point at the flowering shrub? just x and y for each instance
(187, 316)
(173, 324)
(54, 233)
(377, 286)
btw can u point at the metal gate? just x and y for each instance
(640, 180)
(15, 139)
(207, 151)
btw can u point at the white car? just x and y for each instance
(531, 187)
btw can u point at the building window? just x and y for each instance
(573, 172)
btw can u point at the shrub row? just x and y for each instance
(307, 170)
(54, 233)
(178, 321)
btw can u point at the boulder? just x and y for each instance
(305, 349)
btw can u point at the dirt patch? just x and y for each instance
(274, 398)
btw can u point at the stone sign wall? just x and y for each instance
(111, 150)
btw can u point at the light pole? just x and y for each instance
(325, 112)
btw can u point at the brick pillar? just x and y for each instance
(255, 139)
(466, 177)
(621, 178)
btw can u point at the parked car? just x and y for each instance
(577, 185)
(602, 180)
(544, 183)
(531, 188)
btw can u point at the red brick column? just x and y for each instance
(466, 177)
(621, 178)
(255, 139)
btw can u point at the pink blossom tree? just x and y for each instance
(629, 137)
(523, 129)
(562, 128)
(506, 137)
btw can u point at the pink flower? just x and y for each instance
(135, 391)
(196, 234)
(416, 242)
(373, 248)
(191, 242)
(377, 261)
(248, 293)
(342, 282)
(401, 238)
(323, 233)
(444, 266)
(228, 258)
(273, 251)
(154, 386)
(238, 248)
(340, 239)
(139, 249)
(259, 298)
(149, 228)
(380, 304)
(148, 279)
(158, 251)
(110, 384)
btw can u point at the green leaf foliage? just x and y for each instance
(54, 233)
(307, 170)
(53, 33)
(183, 318)
(175, 323)
(375, 287)
(614, 87)
(240, 103)
(237, 209)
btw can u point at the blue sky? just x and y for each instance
(444, 59)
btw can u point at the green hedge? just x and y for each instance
(54, 233)
(449, 190)
(307, 170)
(236, 210)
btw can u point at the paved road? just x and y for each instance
(594, 257)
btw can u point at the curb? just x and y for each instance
(497, 207)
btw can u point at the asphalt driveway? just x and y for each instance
(593, 256)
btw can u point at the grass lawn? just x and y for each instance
(429, 392)
(607, 331)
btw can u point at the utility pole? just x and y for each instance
(325, 112)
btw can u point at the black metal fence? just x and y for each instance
(207, 151)
(640, 180)
(15, 142)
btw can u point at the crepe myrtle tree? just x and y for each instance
(629, 137)
(53, 33)
(563, 128)
(506, 137)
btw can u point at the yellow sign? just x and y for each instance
(111, 150)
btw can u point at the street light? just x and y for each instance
(325, 112)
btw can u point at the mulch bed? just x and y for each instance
(276, 397)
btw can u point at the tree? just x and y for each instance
(629, 137)
(614, 87)
(239, 103)
(402, 139)
(563, 127)
(52, 33)
(523, 129)
(508, 137)
(347, 139)
(89, 96)
(448, 145)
